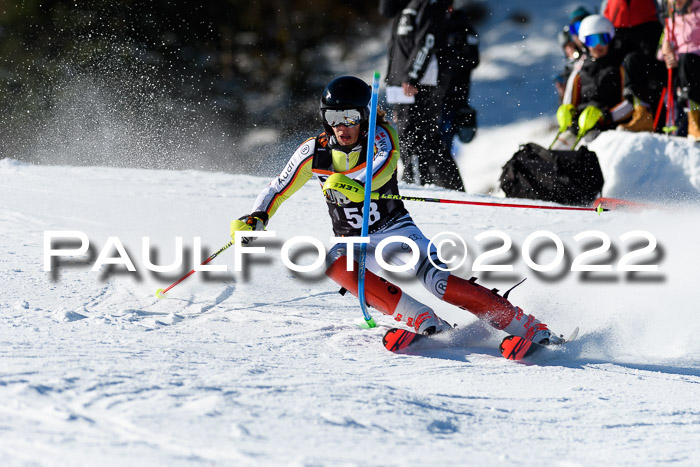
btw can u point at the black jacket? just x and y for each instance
(459, 56)
(601, 85)
(418, 32)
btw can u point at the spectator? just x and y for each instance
(637, 34)
(596, 89)
(461, 54)
(680, 50)
(637, 26)
(418, 33)
(572, 46)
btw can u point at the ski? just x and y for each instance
(397, 339)
(519, 348)
(512, 347)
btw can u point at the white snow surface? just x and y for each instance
(270, 367)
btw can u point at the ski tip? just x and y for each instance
(573, 335)
(160, 293)
(398, 339)
(517, 348)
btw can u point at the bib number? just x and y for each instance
(354, 215)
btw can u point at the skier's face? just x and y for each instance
(347, 135)
(599, 50)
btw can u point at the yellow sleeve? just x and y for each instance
(295, 174)
(386, 155)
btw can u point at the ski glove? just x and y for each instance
(255, 221)
(336, 197)
(589, 118)
(565, 116)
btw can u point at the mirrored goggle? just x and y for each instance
(573, 28)
(597, 39)
(347, 117)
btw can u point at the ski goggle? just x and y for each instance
(597, 39)
(573, 28)
(347, 117)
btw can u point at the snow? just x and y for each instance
(269, 367)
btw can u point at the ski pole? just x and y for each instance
(658, 108)
(356, 193)
(161, 292)
(670, 106)
(581, 134)
(482, 203)
(670, 98)
(367, 198)
(555, 139)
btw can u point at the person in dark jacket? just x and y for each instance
(413, 77)
(594, 93)
(461, 55)
(637, 26)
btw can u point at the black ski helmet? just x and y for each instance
(346, 92)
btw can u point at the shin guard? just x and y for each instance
(384, 296)
(489, 306)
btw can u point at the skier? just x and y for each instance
(340, 152)
(594, 90)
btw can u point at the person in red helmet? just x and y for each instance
(339, 154)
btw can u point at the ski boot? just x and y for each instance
(544, 336)
(434, 325)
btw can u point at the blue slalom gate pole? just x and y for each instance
(368, 198)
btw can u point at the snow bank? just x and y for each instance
(646, 166)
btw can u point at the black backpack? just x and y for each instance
(565, 177)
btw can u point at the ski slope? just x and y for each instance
(269, 367)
